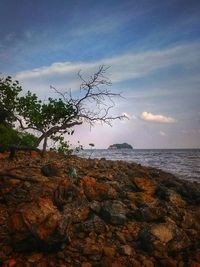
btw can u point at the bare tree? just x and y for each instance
(59, 116)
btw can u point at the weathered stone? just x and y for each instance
(141, 199)
(149, 214)
(114, 213)
(162, 232)
(176, 199)
(91, 249)
(95, 206)
(127, 250)
(97, 190)
(50, 170)
(145, 261)
(35, 257)
(121, 237)
(111, 214)
(36, 225)
(145, 184)
(4, 226)
(169, 262)
(109, 251)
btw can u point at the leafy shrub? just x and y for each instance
(10, 136)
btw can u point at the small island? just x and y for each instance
(120, 146)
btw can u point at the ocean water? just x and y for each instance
(184, 163)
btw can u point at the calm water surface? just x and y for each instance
(184, 163)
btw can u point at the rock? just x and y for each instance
(97, 190)
(86, 264)
(95, 224)
(145, 261)
(194, 264)
(81, 214)
(92, 249)
(109, 251)
(35, 257)
(189, 221)
(95, 206)
(141, 199)
(176, 199)
(4, 226)
(72, 172)
(149, 214)
(50, 170)
(162, 232)
(113, 212)
(36, 225)
(145, 184)
(169, 262)
(127, 250)
(155, 237)
(121, 237)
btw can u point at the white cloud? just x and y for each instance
(128, 116)
(123, 67)
(147, 116)
(162, 133)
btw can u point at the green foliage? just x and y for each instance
(64, 147)
(44, 115)
(27, 139)
(54, 116)
(9, 92)
(31, 112)
(9, 136)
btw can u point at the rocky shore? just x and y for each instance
(57, 211)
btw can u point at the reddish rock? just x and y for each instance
(106, 214)
(145, 184)
(37, 220)
(163, 232)
(127, 250)
(50, 170)
(109, 251)
(169, 262)
(86, 264)
(194, 264)
(97, 190)
(176, 199)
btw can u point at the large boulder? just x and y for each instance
(37, 225)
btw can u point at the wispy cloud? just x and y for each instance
(123, 67)
(150, 117)
(129, 116)
(162, 133)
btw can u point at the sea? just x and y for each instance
(183, 163)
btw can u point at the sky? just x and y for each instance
(152, 48)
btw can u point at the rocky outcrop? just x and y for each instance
(120, 146)
(58, 211)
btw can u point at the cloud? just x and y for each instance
(128, 116)
(162, 133)
(150, 117)
(123, 67)
(191, 131)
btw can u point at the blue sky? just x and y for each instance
(151, 46)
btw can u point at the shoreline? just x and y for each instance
(88, 212)
(184, 164)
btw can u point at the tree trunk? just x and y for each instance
(44, 145)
